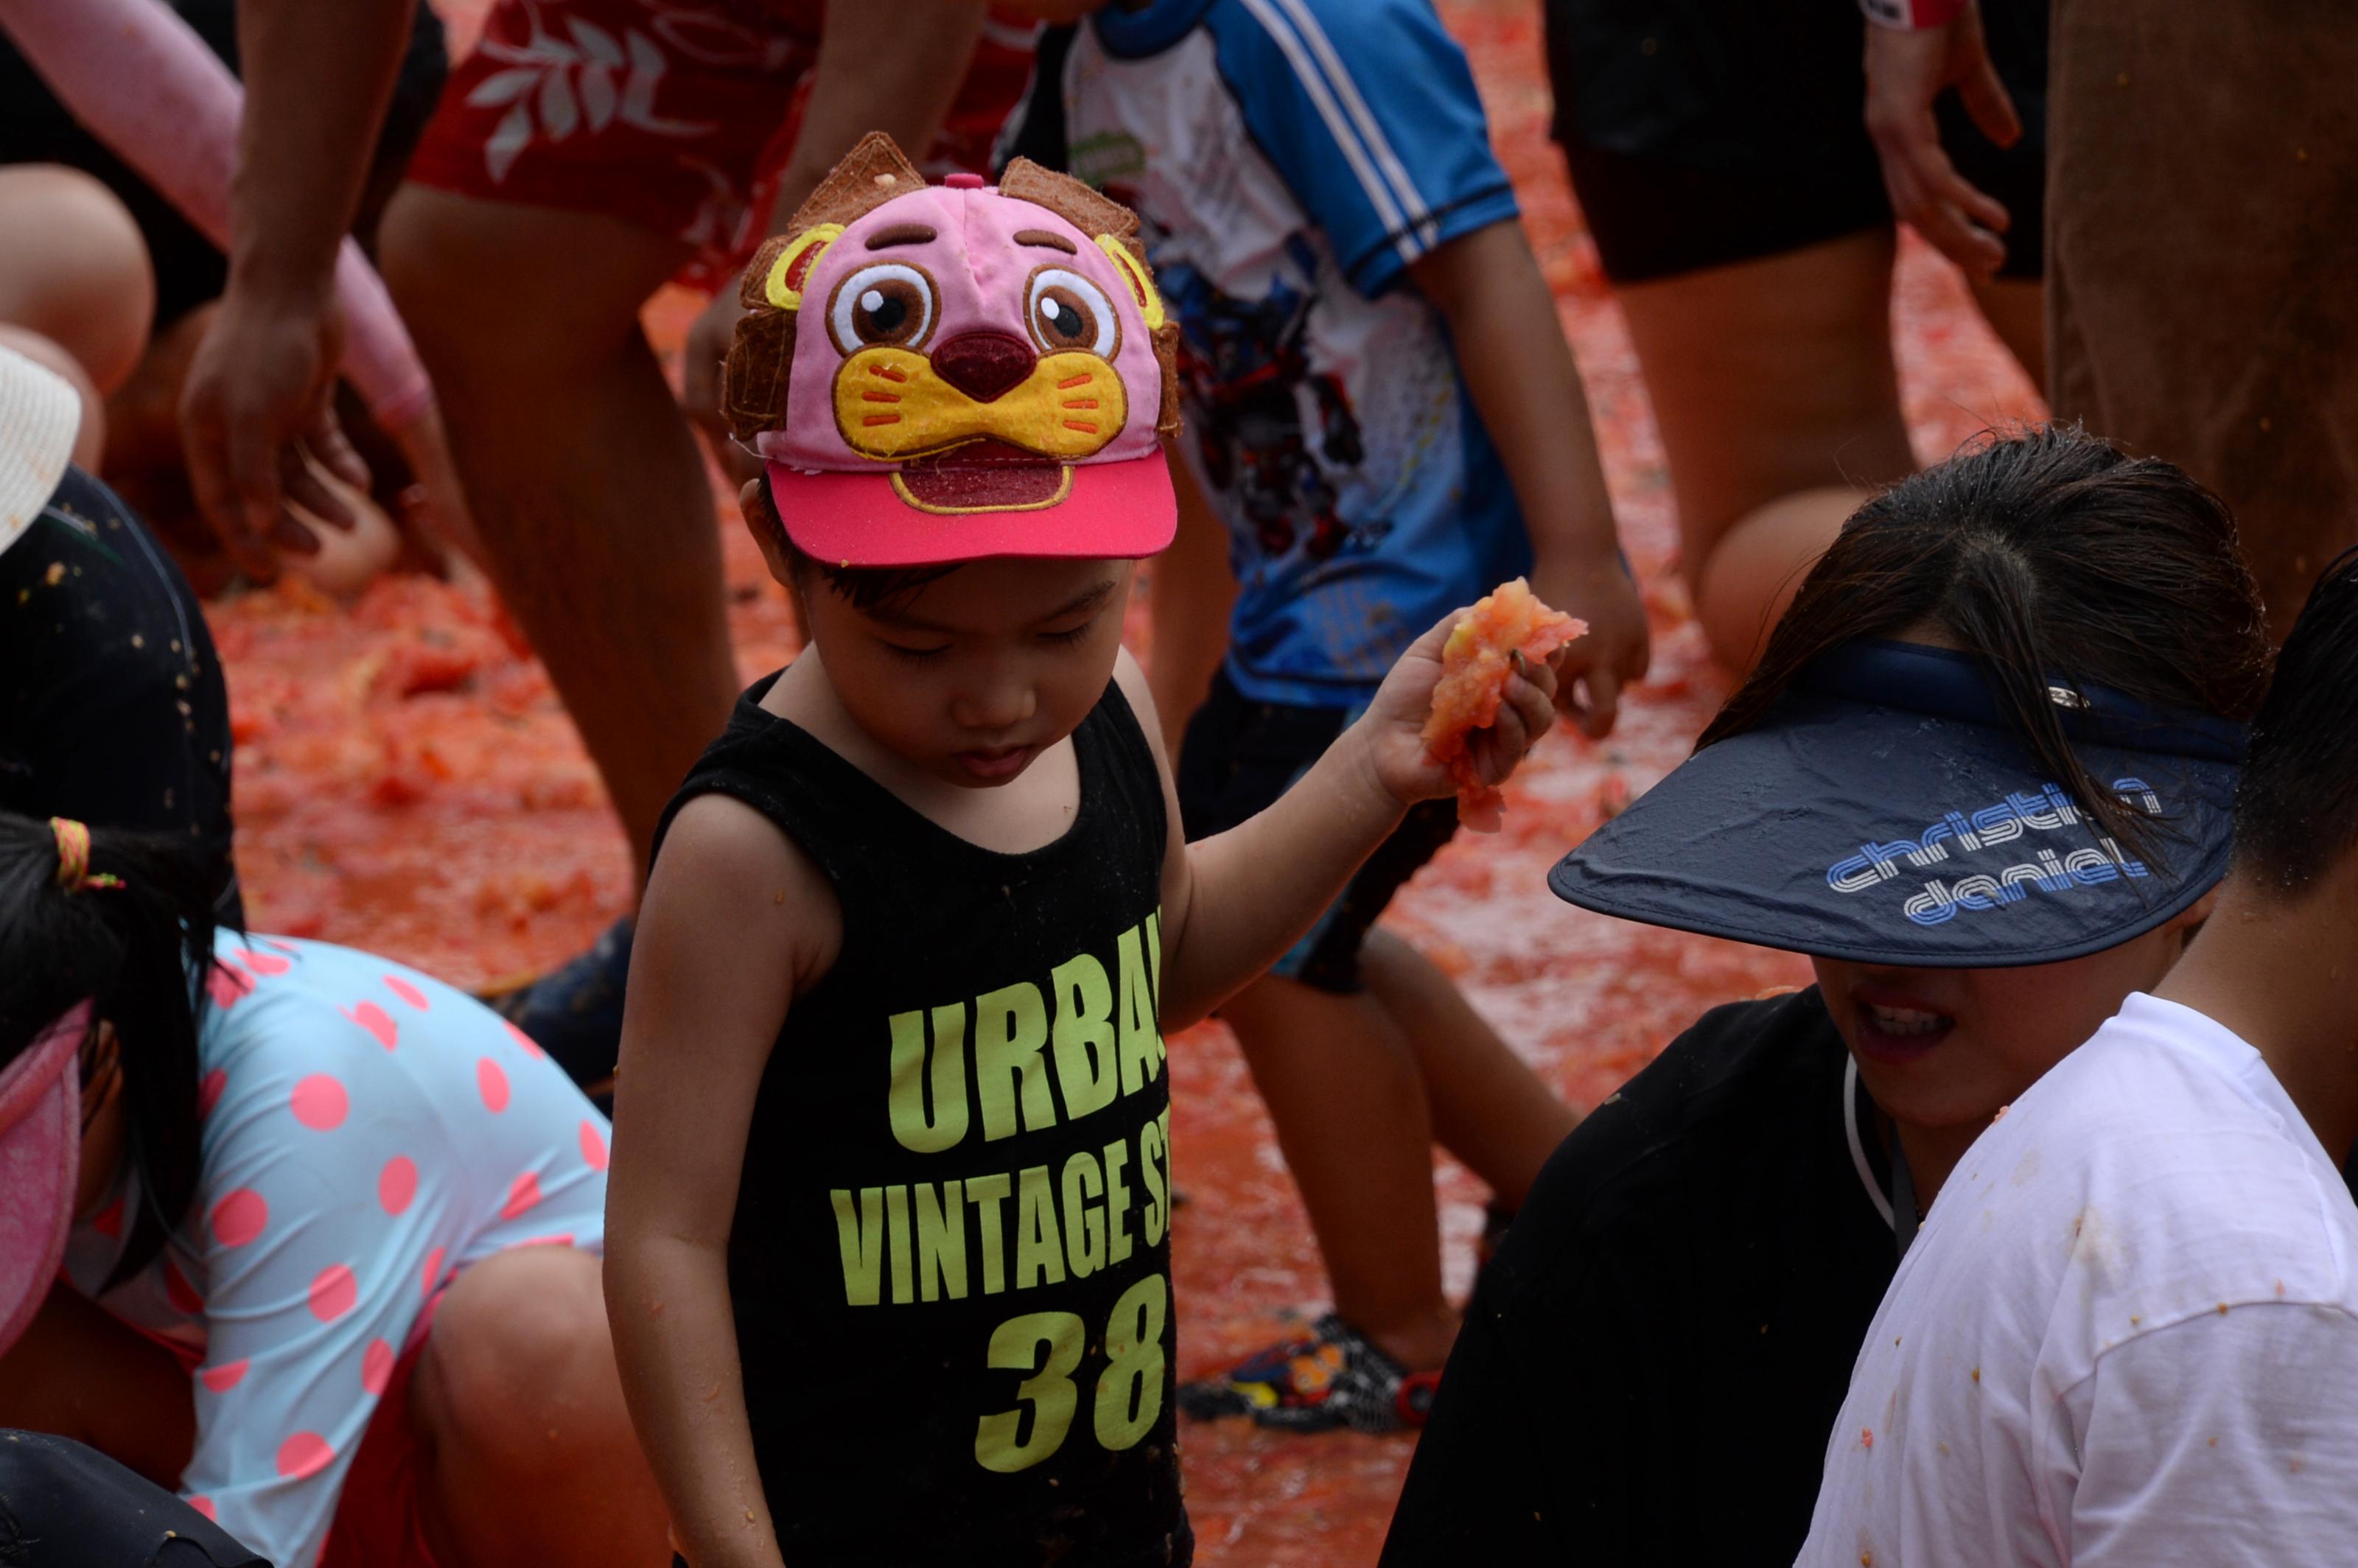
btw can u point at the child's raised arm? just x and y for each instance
(1521, 374)
(1232, 903)
(736, 924)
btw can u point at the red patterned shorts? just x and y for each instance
(676, 115)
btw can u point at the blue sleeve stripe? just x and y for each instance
(1372, 132)
(1313, 83)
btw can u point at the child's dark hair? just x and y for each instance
(2297, 806)
(141, 951)
(2040, 550)
(865, 588)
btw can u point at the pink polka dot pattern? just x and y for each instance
(227, 987)
(305, 1454)
(406, 991)
(431, 1275)
(493, 1080)
(593, 1146)
(208, 1091)
(376, 1020)
(221, 1380)
(524, 1194)
(376, 1366)
(264, 963)
(563, 1238)
(397, 1183)
(202, 1504)
(109, 1220)
(320, 1103)
(529, 1046)
(239, 1218)
(334, 1293)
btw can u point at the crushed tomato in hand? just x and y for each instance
(1474, 664)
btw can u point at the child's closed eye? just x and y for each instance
(919, 655)
(1068, 638)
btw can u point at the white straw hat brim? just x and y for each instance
(39, 415)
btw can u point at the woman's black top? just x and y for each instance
(1652, 1364)
(950, 1259)
(111, 708)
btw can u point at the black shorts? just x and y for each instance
(190, 269)
(1702, 133)
(1241, 756)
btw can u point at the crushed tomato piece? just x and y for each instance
(1474, 664)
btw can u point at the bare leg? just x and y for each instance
(1487, 1108)
(587, 488)
(1342, 1087)
(78, 1373)
(74, 269)
(1769, 379)
(2015, 309)
(1192, 596)
(529, 1456)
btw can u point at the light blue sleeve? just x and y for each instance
(1368, 110)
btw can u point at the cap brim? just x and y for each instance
(1846, 831)
(40, 415)
(40, 1160)
(1121, 511)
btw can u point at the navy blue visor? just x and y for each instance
(1887, 812)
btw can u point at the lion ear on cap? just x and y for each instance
(753, 381)
(1115, 229)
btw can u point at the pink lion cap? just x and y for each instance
(937, 373)
(40, 1166)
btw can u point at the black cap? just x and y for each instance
(65, 1505)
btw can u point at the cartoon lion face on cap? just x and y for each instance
(979, 341)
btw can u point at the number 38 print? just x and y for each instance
(1049, 1347)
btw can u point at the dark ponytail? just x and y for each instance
(142, 950)
(2038, 551)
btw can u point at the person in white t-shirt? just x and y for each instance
(2127, 1333)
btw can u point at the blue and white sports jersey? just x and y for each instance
(1289, 159)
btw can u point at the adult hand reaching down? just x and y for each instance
(1908, 66)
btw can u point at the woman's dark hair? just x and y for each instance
(141, 952)
(865, 588)
(2297, 804)
(2035, 551)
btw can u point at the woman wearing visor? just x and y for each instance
(1982, 777)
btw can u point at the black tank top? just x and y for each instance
(950, 1259)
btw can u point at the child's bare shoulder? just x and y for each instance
(726, 874)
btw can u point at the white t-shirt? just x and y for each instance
(2127, 1335)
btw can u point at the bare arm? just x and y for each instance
(1525, 385)
(317, 80)
(894, 66)
(735, 924)
(1232, 903)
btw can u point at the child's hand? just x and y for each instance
(1592, 672)
(1392, 731)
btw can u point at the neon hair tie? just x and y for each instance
(73, 857)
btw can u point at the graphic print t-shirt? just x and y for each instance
(950, 1259)
(1289, 159)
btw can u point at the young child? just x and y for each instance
(1382, 409)
(892, 1190)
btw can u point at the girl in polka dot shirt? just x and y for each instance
(339, 1223)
